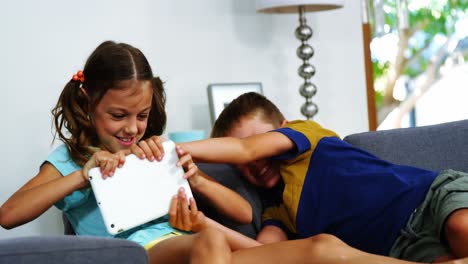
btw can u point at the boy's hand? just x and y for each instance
(150, 148)
(190, 168)
(183, 217)
(106, 161)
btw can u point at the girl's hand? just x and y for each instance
(150, 148)
(106, 161)
(183, 217)
(190, 168)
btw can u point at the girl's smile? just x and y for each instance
(126, 141)
(121, 117)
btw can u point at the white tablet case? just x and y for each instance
(138, 192)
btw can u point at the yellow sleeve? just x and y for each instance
(278, 214)
(312, 130)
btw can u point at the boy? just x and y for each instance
(321, 184)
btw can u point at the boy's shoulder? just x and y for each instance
(310, 128)
(303, 124)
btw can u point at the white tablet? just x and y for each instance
(138, 192)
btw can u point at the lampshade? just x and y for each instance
(291, 6)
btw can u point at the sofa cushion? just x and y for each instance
(70, 250)
(230, 177)
(435, 147)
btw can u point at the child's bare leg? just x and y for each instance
(207, 246)
(172, 250)
(210, 247)
(456, 231)
(323, 249)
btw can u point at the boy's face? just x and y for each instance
(121, 117)
(262, 173)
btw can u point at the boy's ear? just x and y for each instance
(284, 122)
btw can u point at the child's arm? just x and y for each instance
(49, 186)
(225, 200)
(190, 219)
(38, 195)
(239, 150)
(271, 234)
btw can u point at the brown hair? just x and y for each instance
(246, 105)
(110, 64)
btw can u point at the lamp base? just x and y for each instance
(306, 71)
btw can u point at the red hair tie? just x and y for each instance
(79, 76)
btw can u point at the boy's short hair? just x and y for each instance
(246, 105)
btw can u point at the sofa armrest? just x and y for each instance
(70, 250)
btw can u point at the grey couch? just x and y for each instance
(435, 147)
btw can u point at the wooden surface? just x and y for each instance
(371, 109)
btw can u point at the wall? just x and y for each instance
(189, 44)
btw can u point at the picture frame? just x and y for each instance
(221, 94)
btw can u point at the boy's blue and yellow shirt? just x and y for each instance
(332, 187)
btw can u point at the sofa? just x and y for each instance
(434, 147)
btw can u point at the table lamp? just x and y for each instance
(309, 109)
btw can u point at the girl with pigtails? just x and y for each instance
(114, 107)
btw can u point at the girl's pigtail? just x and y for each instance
(157, 118)
(72, 122)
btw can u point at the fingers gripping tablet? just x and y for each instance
(139, 191)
